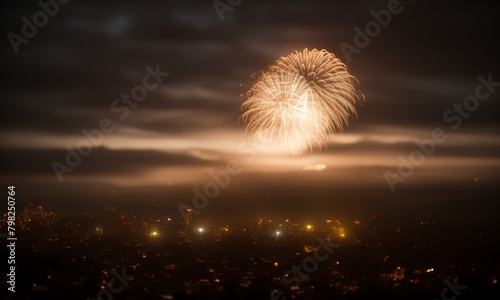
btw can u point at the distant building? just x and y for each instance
(188, 221)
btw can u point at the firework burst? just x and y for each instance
(299, 101)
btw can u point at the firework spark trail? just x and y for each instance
(300, 100)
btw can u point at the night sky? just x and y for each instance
(427, 59)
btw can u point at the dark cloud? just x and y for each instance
(92, 52)
(441, 150)
(65, 79)
(101, 161)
